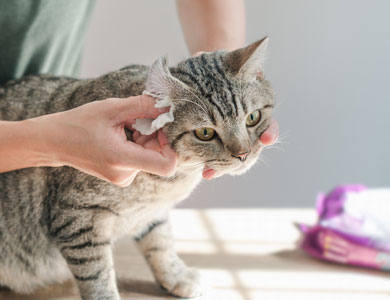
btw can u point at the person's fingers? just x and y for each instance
(153, 144)
(129, 179)
(136, 135)
(270, 136)
(160, 163)
(162, 138)
(197, 53)
(143, 139)
(171, 157)
(137, 107)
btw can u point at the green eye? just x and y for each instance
(253, 118)
(204, 133)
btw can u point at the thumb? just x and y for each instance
(141, 106)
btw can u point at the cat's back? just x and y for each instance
(36, 95)
(29, 96)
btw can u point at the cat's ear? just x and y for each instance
(248, 61)
(160, 81)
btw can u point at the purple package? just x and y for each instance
(353, 227)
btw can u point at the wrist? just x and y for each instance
(41, 143)
(21, 146)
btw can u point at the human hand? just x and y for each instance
(91, 138)
(270, 136)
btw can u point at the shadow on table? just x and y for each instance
(68, 290)
(144, 287)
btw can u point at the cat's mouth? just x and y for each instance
(209, 173)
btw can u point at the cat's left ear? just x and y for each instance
(248, 61)
(160, 81)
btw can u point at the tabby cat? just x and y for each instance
(59, 222)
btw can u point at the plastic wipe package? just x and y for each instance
(148, 126)
(353, 227)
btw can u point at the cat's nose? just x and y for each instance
(242, 155)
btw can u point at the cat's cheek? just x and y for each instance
(257, 147)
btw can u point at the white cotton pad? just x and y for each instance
(148, 126)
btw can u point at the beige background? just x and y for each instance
(329, 63)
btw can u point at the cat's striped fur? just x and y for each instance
(58, 222)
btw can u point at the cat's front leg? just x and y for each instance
(89, 257)
(169, 270)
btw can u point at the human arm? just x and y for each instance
(209, 25)
(90, 138)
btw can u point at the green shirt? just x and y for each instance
(42, 36)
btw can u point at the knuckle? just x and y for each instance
(148, 103)
(120, 180)
(114, 178)
(140, 102)
(168, 169)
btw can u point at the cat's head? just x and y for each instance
(222, 104)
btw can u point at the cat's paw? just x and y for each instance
(185, 284)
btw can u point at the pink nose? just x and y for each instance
(241, 156)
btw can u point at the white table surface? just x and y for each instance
(242, 254)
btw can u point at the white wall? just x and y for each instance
(329, 62)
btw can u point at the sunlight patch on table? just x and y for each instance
(253, 248)
(188, 224)
(199, 247)
(265, 225)
(212, 278)
(223, 294)
(298, 280)
(302, 295)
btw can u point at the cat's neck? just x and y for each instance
(183, 171)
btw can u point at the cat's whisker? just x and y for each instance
(277, 105)
(193, 93)
(282, 138)
(196, 165)
(262, 160)
(202, 163)
(275, 147)
(186, 100)
(219, 163)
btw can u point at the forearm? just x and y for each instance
(210, 25)
(22, 146)
(90, 138)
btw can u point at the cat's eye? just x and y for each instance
(205, 133)
(253, 118)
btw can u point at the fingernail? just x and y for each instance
(162, 138)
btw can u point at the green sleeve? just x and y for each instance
(42, 36)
